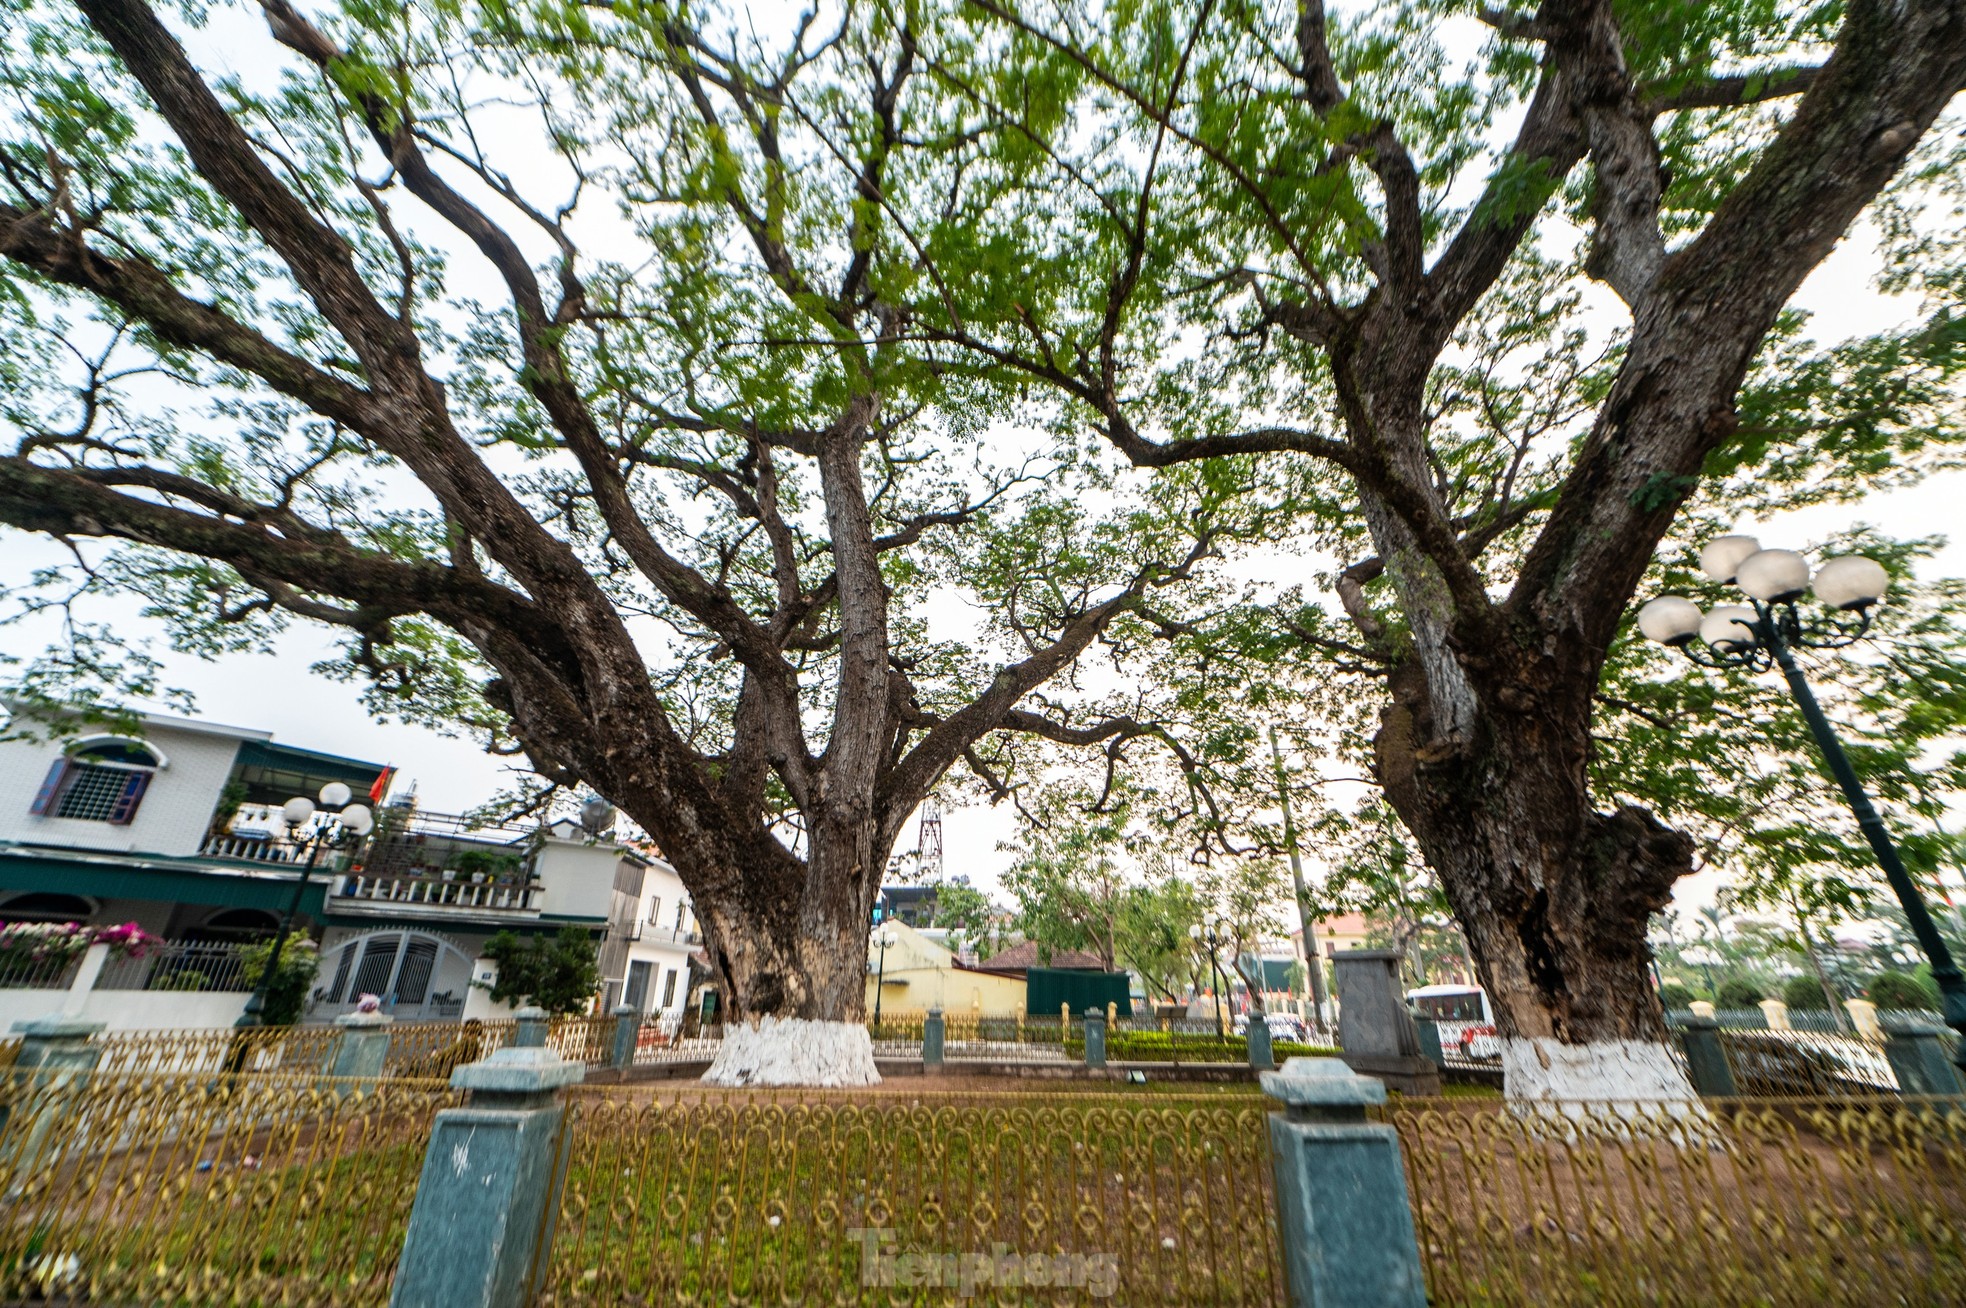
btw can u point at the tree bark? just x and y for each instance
(1555, 897)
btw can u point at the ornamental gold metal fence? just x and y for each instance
(1762, 1202)
(203, 1190)
(255, 1050)
(433, 1050)
(974, 1037)
(418, 1050)
(582, 1039)
(735, 1198)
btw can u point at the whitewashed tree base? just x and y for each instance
(1544, 1070)
(794, 1051)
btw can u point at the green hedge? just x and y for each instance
(1164, 1047)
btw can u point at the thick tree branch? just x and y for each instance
(31, 238)
(1732, 91)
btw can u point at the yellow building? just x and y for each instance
(918, 974)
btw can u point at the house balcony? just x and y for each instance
(438, 892)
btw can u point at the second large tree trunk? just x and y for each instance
(1555, 896)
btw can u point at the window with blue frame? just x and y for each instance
(98, 781)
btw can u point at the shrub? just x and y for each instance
(559, 972)
(1163, 1047)
(286, 993)
(1805, 992)
(1738, 992)
(1674, 997)
(1902, 990)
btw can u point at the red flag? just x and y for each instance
(381, 786)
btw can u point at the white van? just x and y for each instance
(1466, 1022)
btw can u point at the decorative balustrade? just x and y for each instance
(251, 849)
(435, 891)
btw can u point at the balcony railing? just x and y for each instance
(476, 895)
(24, 973)
(181, 965)
(688, 935)
(253, 849)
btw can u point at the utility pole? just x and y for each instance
(1312, 964)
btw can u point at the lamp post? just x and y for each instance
(349, 824)
(1210, 934)
(1314, 974)
(884, 937)
(1764, 634)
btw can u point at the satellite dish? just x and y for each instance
(596, 816)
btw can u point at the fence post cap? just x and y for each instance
(59, 1026)
(518, 1070)
(362, 1020)
(1699, 1022)
(1307, 1085)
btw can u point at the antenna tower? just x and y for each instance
(930, 849)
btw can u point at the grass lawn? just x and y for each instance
(1144, 1193)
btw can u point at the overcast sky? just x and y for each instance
(278, 693)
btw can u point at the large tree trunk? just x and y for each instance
(793, 963)
(1554, 896)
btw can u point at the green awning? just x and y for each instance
(272, 773)
(181, 885)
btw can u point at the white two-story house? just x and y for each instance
(173, 824)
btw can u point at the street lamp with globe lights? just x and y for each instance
(342, 828)
(1763, 634)
(885, 938)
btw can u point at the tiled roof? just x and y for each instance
(1019, 958)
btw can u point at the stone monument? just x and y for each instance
(1376, 1031)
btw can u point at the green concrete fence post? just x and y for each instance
(932, 1037)
(627, 1032)
(1095, 1037)
(1342, 1210)
(491, 1180)
(1918, 1057)
(1260, 1056)
(52, 1045)
(1706, 1062)
(361, 1047)
(54, 1052)
(1429, 1030)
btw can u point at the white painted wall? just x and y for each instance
(127, 1010)
(660, 947)
(578, 877)
(175, 812)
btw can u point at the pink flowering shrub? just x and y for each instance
(42, 942)
(48, 942)
(126, 941)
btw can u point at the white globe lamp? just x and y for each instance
(1773, 576)
(1724, 555)
(1669, 620)
(1852, 582)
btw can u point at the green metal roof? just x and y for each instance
(272, 773)
(155, 878)
(285, 758)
